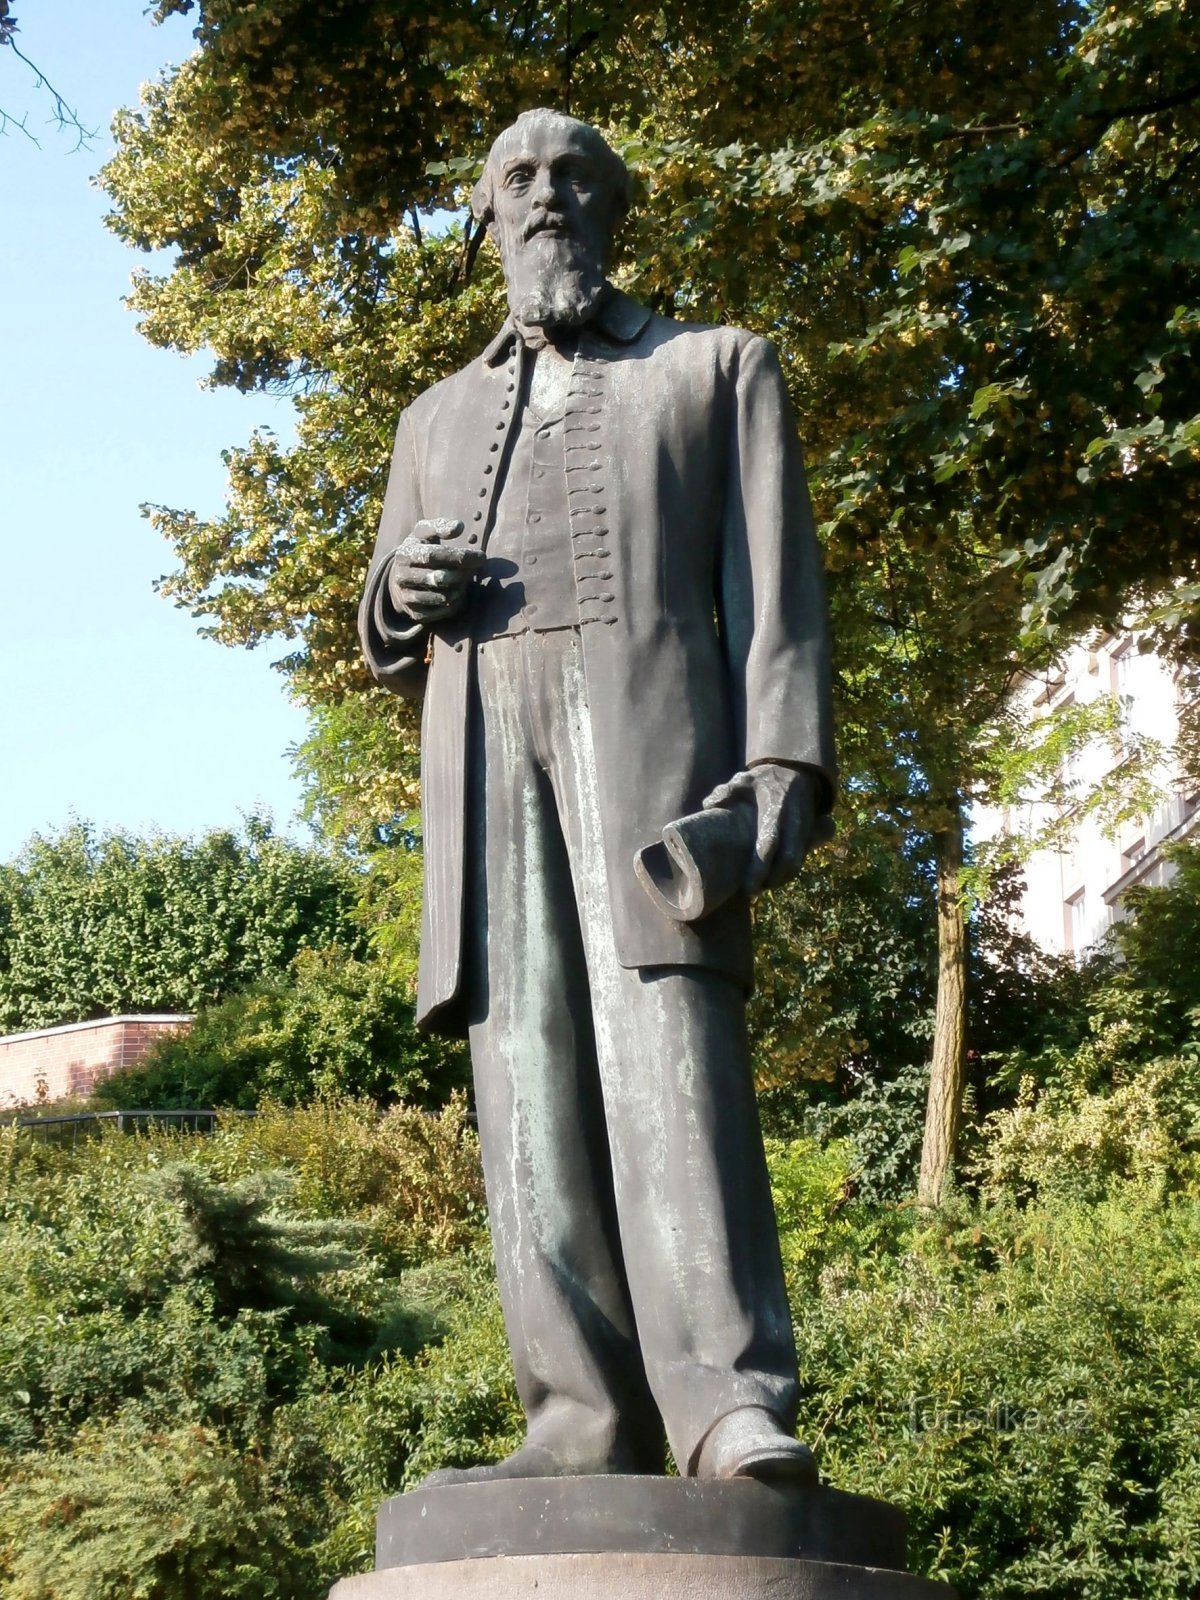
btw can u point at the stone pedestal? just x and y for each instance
(615, 1538)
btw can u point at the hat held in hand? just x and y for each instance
(700, 862)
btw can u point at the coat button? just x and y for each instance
(458, 646)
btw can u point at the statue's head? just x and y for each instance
(552, 193)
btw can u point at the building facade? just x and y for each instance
(1074, 891)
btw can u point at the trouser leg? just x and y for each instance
(697, 1226)
(541, 1115)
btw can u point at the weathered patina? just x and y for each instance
(596, 565)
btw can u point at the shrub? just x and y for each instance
(1027, 1384)
(333, 1024)
(93, 925)
(412, 1178)
(126, 1512)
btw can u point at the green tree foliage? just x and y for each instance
(1110, 1090)
(94, 925)
(972, 238)
(330, 1024)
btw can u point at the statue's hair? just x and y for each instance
(613, 169)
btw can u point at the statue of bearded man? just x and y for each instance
(596, 566)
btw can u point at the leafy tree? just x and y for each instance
(93, 925)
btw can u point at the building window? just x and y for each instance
(1075, 921)
(1131, 855)
(1122, 685)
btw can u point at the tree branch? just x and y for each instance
(64, 115)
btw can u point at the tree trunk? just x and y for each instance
(943, 1109)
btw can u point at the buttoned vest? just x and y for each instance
(541, 574)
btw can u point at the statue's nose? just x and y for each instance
(544, 193)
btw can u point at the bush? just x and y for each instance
(94, 925)
(126, 1512)
(1023, 1374)
(1027, 1384)
(332, 1025)
(227, 1302)
(411, 1178)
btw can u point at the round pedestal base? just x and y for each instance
(615, 1576)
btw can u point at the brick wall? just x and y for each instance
(62, 1063)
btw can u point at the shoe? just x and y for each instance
(530, 1461)
(752, 1443)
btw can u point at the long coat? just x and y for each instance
(711, 652)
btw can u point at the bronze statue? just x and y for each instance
(596, 565)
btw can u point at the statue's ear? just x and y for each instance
(482, 206)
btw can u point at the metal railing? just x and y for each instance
(185, 1119)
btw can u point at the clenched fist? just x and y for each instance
(429, 580)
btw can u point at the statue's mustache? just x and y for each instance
(547, 222)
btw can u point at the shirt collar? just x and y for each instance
(619, 317)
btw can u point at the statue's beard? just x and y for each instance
(552, 282)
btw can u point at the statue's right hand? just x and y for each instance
(429, 579)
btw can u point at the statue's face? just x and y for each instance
(552, 213)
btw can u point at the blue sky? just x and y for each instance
(111, 706)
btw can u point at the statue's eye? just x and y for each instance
(518, 178)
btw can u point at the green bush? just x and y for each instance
(126, 1512)
(411, 1178)
(1027, 1384)
(94, 925)
(232, 1298)
(304, 1303)
(332, 1024)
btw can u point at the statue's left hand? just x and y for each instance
(785, 799)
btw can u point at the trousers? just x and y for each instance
(628, 1196)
